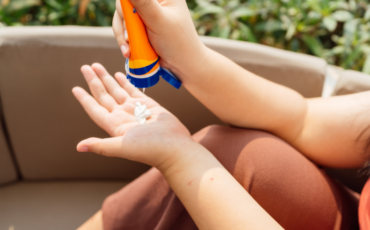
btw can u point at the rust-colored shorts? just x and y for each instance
(294, 191)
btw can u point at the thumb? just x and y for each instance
(149, 10)
(109, 147)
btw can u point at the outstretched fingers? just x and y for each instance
(111, 85)
(97, 88)
(95, 111)
(126, 85)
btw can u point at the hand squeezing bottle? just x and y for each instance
(142, 68)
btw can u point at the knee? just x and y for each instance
(218, 137)
(198, 136)
(245, 148)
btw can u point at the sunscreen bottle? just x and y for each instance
(142, 68)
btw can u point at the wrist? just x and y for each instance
(191, 160)
(179, 153)
(193, 65)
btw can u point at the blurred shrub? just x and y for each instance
(57, 12)
(336, 30)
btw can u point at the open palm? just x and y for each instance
(112, 106)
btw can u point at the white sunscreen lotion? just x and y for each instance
(141, 113)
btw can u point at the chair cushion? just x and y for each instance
(301, 72)
(7, 168)
(52, 205)
(352, 82)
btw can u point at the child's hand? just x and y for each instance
(170, 30)
(112, 108)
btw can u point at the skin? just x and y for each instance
(330, 132)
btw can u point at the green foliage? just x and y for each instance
(336, 30)
(56, 12)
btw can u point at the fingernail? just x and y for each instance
(123, 49)
(83, 149)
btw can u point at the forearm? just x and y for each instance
(241, 98)
(336, 132)
(332, 132)
(213, 198)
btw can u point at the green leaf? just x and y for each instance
(54, 4)
(294, 45)
(55, 15)
(202, 30)
(215, 31)
(314, 45)
(225, 31)
(366, 67)
(353, 57)
(342, 15)
(350, 28)
(202, 3)
(352, 5)
(290, 32)
(269, 26)
(17, 5)
(208, 9)
(366, 49)
(337, 50)
(367, 14)
(339, 5)
(247, 32)
(101, 18)
(314, 15)
(232, 4)
(330, 23)
(235, 34)
(286, 21)
(242, 12)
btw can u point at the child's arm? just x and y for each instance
(332, 131)
(319, 128)
(213, 198)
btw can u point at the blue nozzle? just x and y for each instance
(170, 78)
(139, 80)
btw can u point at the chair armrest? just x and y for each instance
(303, 73)
(352, 82)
